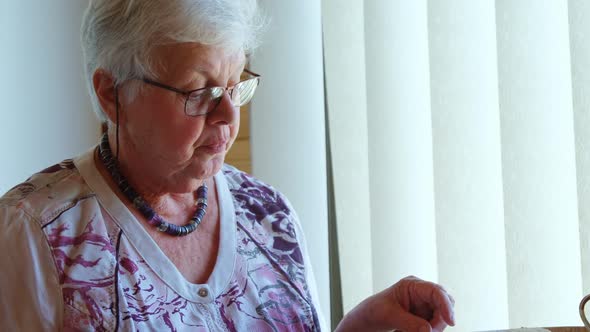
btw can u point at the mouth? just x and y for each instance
(214, 147)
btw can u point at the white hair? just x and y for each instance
(119, 35)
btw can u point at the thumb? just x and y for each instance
(407, 322)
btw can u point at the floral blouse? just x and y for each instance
(75, 258)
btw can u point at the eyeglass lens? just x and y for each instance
(205, 101)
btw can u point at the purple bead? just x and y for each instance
(202, 191)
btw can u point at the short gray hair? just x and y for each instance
(119, 35)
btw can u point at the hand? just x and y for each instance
(410, 305)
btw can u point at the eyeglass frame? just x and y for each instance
(228, 89)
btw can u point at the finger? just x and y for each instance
(451, 299)
(444, 306)
(411, 289)
(437, 322)
(407, 322)
(436, 298)
(444, 290)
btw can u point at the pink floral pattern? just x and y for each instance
(107, 285)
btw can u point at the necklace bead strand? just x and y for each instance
(154, 219)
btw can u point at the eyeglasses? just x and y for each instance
(204, 100)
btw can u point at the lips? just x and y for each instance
(214, 147)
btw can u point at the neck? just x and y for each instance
(149, 175)
(174, 206)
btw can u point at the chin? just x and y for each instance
(217, 164)
(204, 169)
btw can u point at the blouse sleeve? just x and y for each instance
(30, 292)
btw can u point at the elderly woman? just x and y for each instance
(150, 230)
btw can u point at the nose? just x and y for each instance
(225, 112)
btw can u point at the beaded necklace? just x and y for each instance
(106, 156)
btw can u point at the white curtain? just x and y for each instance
(287, 131)
(460, 139)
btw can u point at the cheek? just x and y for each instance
(233, 134)
(235, 127)
(169, 131)
(153, 116)
(233, 131)
(186, 137)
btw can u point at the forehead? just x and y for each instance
(208, 60)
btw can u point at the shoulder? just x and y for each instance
(259, 198)
(239, 179)
(24, 211)
(267, 217)
(45, 195)
(267, 213)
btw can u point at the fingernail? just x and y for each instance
(425, 328)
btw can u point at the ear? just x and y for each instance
(104, 87)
